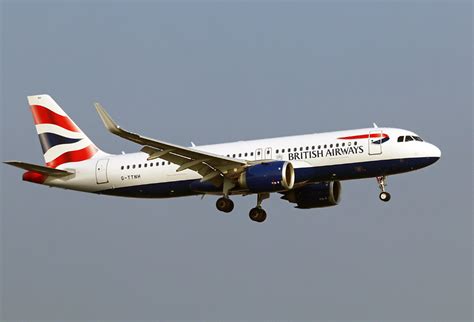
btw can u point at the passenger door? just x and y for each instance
(375, 148)
(101, 171)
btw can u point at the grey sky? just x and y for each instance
(215, 72)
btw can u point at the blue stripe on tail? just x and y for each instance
(48, 140)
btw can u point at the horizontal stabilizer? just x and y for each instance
(39, 168)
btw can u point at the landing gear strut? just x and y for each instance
(224, 204)
(384, 195)
(258, 214)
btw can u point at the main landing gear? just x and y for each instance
(384, 195)
(258, 214)
(224, 204)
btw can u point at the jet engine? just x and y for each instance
(315, 195)
(268, 177)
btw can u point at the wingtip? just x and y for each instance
(109, 123)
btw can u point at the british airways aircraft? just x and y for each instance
(305, 170)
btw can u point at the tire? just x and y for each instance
(384, 196)
(257, 215)
(225, 205)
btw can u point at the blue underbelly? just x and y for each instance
(350, 171)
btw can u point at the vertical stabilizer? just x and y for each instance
(61, 139)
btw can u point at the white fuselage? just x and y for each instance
(316, 157)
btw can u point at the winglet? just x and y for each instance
(107, 120)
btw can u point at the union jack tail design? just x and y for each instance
(61, 139)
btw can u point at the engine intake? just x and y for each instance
(315, 195)
(268, 177)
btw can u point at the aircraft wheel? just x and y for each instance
(224, 204)
(257, 214)
(384, 196)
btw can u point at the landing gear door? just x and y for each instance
(101, 171)
(375, 142)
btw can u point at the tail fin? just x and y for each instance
(61, 139)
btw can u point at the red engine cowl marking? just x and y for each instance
(34, 177)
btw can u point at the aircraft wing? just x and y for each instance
(210, 166)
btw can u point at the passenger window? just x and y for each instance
(145, 165)
(282, 150)
(240, 155)
(277, 151)
(268, 151)
(163, 163)
(157, 164)
(133, 166)
(400, 139)
(233, 155)
(151, 164)
(337, 145)
(325, 146)
(246, 154)
(295, 149)
(355, 143)
(258, 153)
(330, 145)
(140, 165)
(251, 154)
(301, 148)
(408, 138)
(121, 168)
(313, 147)
(343, 144)
(128, 167)
(349, 143)
(307, 148)
(169, 162)
(319, 147)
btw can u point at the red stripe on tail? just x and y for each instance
(74, 156)
(42, 115)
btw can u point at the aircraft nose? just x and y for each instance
(435, 151)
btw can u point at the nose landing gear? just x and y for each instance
(384, 195)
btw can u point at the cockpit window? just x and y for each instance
(400, 139)
(408, 138)
(417, 138)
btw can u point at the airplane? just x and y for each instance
(306, 170)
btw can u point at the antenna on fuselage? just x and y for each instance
(375, 125)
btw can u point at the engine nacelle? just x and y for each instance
(315, 195)
(268, 177)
